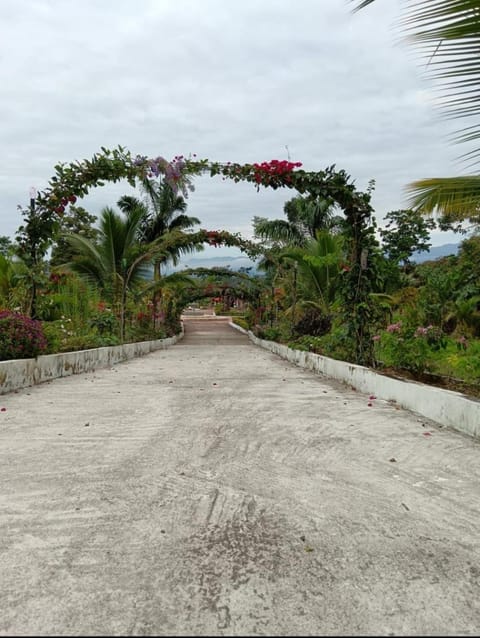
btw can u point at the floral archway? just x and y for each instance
(75, 180)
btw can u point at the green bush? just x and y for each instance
(88, 341)
(460, 360)
(408, 347)
(314, 322)
(54, 336)
(147, 333)
(270, 334)
(231, 312)
(20, 337)
(104, 321)
(335, 344)
(240, 321)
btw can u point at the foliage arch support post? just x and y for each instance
(77, 178)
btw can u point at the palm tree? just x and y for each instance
(163, 211)
(305, 216)
(317, 266)
(163, 217)
(447, 32)
(116, 261)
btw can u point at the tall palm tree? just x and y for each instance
(305, 216)
(163, 211)
(163, 216)
(447, 32)
(116, 261)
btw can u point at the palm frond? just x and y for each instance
(456, 198)
(446, 34)
(362, 4)
(183, 222)
(278, 230)
(126, 203)
(87, 252)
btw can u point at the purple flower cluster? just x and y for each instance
(176, 177)
(157, 166)
(174, 172)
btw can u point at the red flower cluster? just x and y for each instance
(213, 238)
(64, 202)
(275, 168)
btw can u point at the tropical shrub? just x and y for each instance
(408, 347)
(270, 334)
(66, 295)
(313, 322)
(104, 321)
(240, 321)
(20, 336)
(335, 344)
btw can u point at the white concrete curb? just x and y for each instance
(22, 373)
(448, 408)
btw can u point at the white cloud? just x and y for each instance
(228, 81)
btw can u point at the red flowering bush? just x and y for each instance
(20, 336)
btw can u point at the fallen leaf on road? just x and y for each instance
(392, 460)
(427, 434)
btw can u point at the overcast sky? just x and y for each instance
(241, 81)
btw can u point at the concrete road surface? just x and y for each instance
(213, 489)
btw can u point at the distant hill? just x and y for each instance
(435, 253)
(235, 263)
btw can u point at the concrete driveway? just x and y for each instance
(213, 489)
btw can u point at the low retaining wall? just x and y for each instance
(448, 408)
(22, 373)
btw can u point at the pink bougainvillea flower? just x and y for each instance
(394, 327)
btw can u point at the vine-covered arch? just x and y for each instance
(77, 178)
(222, 282)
